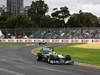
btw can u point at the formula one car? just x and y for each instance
(51, 57)
(42, 43)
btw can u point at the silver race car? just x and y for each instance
(48, 55)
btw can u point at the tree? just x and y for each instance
(48, 22)
(4, 16)
(98, 25)
(19, 21)
(82, 20)
(61, 14)
(1, 10)
(38, 9)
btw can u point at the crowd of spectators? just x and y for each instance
(58, 33)
(70, 33)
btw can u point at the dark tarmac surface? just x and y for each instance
(20, 61)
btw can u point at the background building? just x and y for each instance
(14, 6)
(26, 10)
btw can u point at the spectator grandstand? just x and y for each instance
(54, 33)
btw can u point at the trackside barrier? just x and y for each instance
(50, 40)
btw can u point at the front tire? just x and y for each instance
(61, 61)
(67, 57)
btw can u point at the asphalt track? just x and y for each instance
(19, 61)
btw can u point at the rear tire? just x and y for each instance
(51, 59)
(39, 57)
(51, 62)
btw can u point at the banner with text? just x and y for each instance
(50, 40)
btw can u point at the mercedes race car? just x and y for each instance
(42, 43)
(51, 57)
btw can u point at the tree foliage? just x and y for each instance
(82, 20)
(38, 9)
(19, 21)
(3, 18)
(61, 14)
(37, 18)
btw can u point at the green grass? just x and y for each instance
(83, 55)
(12, 44)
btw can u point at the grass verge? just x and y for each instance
(81, 54)
(12, 44)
